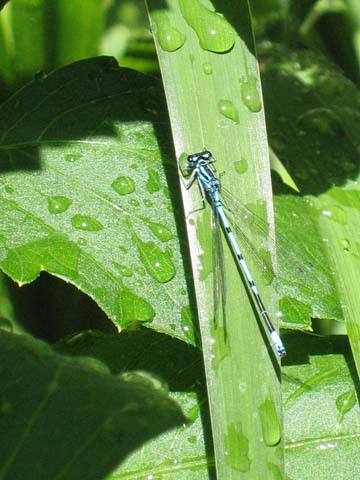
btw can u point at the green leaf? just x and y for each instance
(321, 413)
(74, 407)
(78, 150)
(182, 453)
(314, 127)
(211, 80)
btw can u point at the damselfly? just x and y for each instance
(200, 169)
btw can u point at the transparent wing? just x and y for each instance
(303, 270)
(219, 279)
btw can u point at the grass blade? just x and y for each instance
(214, 100)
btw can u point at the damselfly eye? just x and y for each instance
(192, 159)
(206, 155)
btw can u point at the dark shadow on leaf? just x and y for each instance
(312, 118)
(51, 309)
(83, 420)
(175, 362)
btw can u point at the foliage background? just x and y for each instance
(309, 62)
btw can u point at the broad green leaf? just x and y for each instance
(321, 411)
(314, 127)
(211, 80)
(322, 416)
(180, 453)
(66, 418)
(84, 195)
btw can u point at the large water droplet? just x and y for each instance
(250, 95)
(84, 222)
(228, 110)
(58, 204)
(156, 262)
(160, 231)
(270, 425)
(169, 38)
(237, 448)
(214, 32)
(123, 185)
(133, 308)
(241, 166)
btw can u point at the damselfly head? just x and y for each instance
(193, 159)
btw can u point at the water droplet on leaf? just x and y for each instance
(228, 110)
(58, 204)
(250, 95)
(270, 423)
(84, 222)
(214, 32)
(123, 185)
(170, 38)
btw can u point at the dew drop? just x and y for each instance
(157, 263)
(250, 95)
(335, 213)
(160, 231)
(270, 425)
(214, 32)
(58, 204)
(82, 241)
(345, 245)
(84, 222)
(9, 189)
(345, 402)
(228, 110)
(72, 157)
(207, 68)
(123, 185)
(124, 270)
(141, 270)
(170, 38)
(134, 203)
(237, 448)
(241, 166)
(148, 203)
(186, 322)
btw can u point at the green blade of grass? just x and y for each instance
(210, 74)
